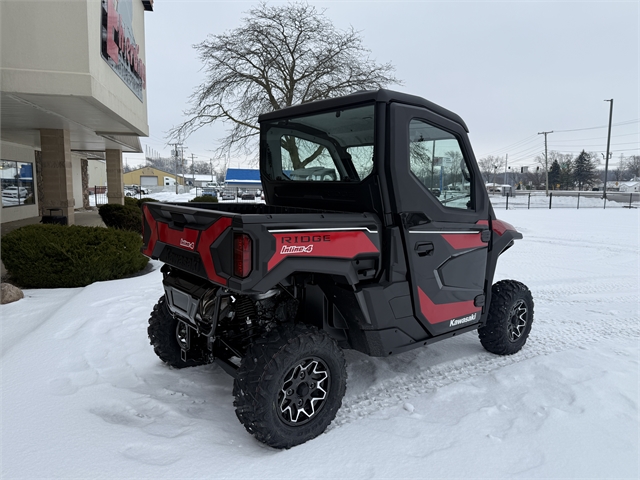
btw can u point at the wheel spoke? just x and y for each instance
(517, 320)
(304, 391)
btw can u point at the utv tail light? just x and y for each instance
(241, 255)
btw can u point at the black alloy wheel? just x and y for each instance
(290, 385)
(509, 320)
(518, 320)
(304, 392)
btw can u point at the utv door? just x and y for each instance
(444, 211)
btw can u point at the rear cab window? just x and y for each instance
(334, 146)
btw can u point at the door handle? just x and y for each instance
(424, 248)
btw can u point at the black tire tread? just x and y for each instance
(162, 336)
(493, 335)
(265, 359)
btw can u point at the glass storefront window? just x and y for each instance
(17, 183)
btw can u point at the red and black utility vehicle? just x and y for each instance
(377, 235)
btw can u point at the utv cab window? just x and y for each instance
(335, 146)
(437, 161)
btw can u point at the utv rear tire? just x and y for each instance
(163, 335)
(290, 385)
(510, 318)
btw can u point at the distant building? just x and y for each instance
(151, 177)
(243, 178)
(199, 179)
(630, 186)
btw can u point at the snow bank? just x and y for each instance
(84, 396)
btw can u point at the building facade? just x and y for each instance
(151, 177)
(73, 92)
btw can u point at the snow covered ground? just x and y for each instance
(83, 395)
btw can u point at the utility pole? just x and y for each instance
(181, 165)
(211, 168)
(175, 152)
(606, 162)
(193, 171)
(506, 161)
(546, 163)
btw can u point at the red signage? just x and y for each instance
(119, 48)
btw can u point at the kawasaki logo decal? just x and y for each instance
(459, 321)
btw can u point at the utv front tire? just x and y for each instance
(510, 318)
(166, 333)
(290, 385)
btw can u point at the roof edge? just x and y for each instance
(382, 95)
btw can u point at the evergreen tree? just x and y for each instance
(584, 171)
(565, 178)
(554, 175)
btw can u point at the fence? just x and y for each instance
(97, 196)
(566, 199)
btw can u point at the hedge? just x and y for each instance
(124, 217)
(57, 256)
(205, 199)
(130, 202)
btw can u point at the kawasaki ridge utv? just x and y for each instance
(377, 235)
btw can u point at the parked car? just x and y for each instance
(228, 196)
(133, 190)
(15, 192)
(248, 196)
(209, 189)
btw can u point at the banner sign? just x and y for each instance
(118, 45)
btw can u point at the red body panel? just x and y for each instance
(345, 244)
(464, 241)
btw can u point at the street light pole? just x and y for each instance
(606, 161)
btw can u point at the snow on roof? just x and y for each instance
(199, 177)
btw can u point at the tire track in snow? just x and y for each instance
(395, 390)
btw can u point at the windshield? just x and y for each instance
(333, 146)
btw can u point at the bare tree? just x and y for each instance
(490, 166)
(632, 167)
(280, 56)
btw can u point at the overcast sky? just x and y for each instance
(510, 69)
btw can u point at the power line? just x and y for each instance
(629, 122)
(529, 139)
(600, 138)
(513, 145)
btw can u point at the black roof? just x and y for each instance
(382, 95)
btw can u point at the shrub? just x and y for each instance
(145, 200)
(124, 217)
(130, 202)
(205, 199)
(57, 256)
